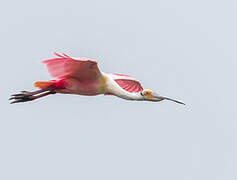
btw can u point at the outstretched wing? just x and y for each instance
(83, 69)
(128, 83)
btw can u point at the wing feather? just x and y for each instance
(126, 82)
(63, 66)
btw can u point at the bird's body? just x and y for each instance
(74, 86)
(105, 84)
(82, 76)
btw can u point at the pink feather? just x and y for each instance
(129, 85)
(83, 69)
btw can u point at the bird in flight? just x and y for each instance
(82, 76)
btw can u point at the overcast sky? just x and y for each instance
(182, 49)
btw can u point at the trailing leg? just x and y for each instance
(25, 96)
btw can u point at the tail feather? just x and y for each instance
(43, 84)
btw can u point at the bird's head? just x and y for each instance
(149, 95)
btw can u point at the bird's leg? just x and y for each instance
(25, 96)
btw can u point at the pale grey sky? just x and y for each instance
(182, 49)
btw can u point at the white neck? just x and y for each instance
(113, 88)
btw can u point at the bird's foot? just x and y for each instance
(24, 96)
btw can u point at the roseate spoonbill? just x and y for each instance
(82, 76)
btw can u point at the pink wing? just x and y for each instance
(128, 83)
(63, 66)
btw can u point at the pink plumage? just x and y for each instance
(83, 69)
(128, 83)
